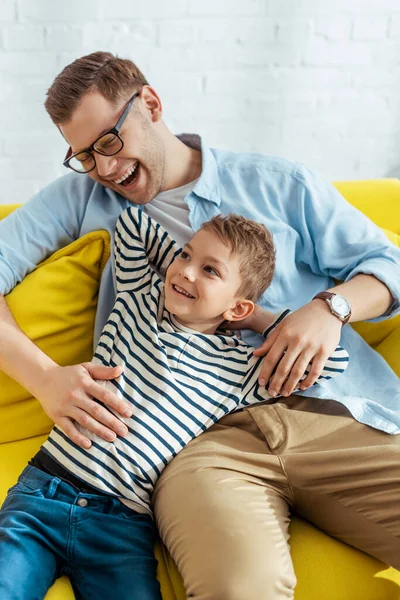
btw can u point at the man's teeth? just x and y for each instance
(182, 291)
(129, 172)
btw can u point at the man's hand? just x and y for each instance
(308, 335)
(68, 395)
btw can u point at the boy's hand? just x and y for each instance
(68, 395)
(308, 335)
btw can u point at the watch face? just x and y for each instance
(340, 305)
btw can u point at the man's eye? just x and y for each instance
(83, 157)
(211, 270)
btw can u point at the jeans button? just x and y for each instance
(82, 502)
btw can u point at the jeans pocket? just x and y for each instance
(21, 487)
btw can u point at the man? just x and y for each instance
(331, 457)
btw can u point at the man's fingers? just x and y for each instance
(94, 426)
(264, 348)
(71, 431)
(97, 391)
(102, 372)
(282, 372)
(296, 373)
(270, 362)
(317, 365)
(104, 417)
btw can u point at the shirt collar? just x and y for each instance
(207, 186)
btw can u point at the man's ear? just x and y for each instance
(152, 102)
(242, 309)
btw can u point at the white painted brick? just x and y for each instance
(143, 32)
(213, 56)
(312, 80)
(127, 10)
(370, 28)
(23, 116)
(12, 168)
(387, 79)
(233, 8)
(333, 28)
(386, 124)
(27, 63)
(63, 38)
(13, 92)
(386, 54)
(23, 37)
(394, 27)
(334, 7)
(243, 136)
(177, 31)
(48, 11)
(299, 7)
(227, 108)
(35, 144)
(7, 10)
(277, 80)
(187, 84)
(240, 29)
(116, 35)
(320, 52)
(295, 31)
(20, 190)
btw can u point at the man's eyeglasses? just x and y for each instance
(108, 144)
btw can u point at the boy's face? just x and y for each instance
(203, 281)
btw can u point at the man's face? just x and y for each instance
(202, 282)
(137, 171)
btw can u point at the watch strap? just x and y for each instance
(328, 296)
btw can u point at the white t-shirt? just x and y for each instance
(171, 211)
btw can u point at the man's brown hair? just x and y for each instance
(101, 72)
(252, 244)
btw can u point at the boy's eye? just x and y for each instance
(184, 255)
(211, 270)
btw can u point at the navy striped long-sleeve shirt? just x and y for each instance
(179, 381)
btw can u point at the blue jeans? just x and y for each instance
(48, 529)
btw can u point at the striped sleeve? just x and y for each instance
(139, 243)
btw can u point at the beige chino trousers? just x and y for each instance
(223, 504)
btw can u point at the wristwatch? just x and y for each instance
(338, 305)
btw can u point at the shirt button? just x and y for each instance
(83, 502)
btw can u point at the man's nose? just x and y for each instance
(105, 165)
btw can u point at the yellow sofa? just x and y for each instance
(55, 305)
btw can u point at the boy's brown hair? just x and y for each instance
(101, 72)
(252, 244)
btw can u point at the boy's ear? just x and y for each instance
(241, 310)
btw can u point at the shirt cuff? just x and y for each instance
(280, 316)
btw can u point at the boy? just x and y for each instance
(86, 513)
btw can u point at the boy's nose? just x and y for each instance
(187, 274)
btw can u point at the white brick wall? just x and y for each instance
(312, 80)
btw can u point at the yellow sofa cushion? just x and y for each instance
(55, 306)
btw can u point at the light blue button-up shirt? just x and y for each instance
(319, 237)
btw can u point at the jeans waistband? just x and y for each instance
(54, 487)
